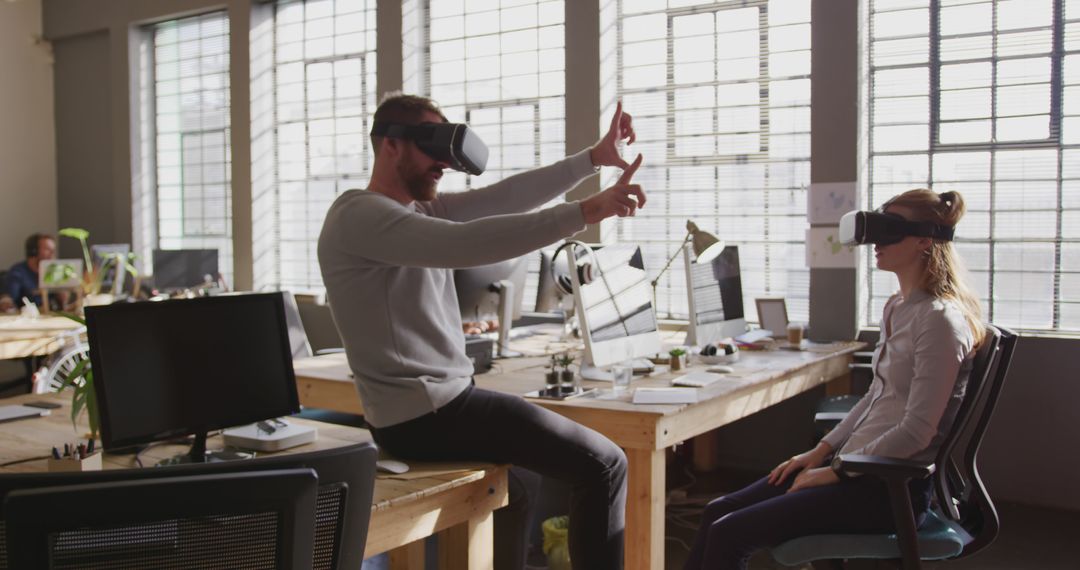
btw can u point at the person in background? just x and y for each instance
(929, 333)
(22, 278)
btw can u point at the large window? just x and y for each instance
(313, 94)
(190, 95)
(983, 97)
(499, 66)
(720, 94)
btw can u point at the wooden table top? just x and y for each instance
(35, 437)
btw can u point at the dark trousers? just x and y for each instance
(761, 515)
(488, 426)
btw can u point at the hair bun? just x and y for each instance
(952, 207)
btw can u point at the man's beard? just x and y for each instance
(418, 181)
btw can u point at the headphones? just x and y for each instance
(32, 245)
(560, 275)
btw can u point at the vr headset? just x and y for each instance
(859, 228)
(452, 143)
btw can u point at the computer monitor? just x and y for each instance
(184, 268)
(715, 298)
(614, 304)
(548, 296)
(189, 366)
(98, 254)
(494, 290)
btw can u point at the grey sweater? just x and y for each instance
(388, 271)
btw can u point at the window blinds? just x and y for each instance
(499, 66)
(981, 97)
(192, 157)
(720, 94)
(312, 104)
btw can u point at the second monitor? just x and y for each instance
(715, 298)
(614, 305)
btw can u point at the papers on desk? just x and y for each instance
(665, 396)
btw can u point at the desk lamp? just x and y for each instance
(706, 248)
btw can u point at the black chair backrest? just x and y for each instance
(961, 494)
(343, 507)
(249, 520)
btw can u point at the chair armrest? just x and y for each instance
(885, 467)
(329, 351)
(863, 354)
(829, 417)
(860, 366)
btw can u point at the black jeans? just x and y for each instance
(761, 515)
(480, 425)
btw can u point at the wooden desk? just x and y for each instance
(455, 501)
(22, 337)
(761, 379)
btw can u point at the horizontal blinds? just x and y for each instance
(191, 99)
(500, 67)
(720, 94)
(979, 97)
(322, 96)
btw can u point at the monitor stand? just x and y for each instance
(505, 288)
(199, 454)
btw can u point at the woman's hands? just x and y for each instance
(815, 477)
(800, 463)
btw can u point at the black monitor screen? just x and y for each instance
(184, 268)
(718, 288)
(188, 366)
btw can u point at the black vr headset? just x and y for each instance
(858, 228)
(452, 143)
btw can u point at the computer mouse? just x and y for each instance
(392, 466)
(721, 369)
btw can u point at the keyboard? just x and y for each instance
(696, 379)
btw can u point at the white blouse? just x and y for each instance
(921, 366)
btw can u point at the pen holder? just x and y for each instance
(91, 462)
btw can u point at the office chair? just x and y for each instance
(964, 520)
(257, 520)
(342, 509)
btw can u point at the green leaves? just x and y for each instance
(77, 233)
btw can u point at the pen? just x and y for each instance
(90, 448)
(55, 453)
(67, 450)
(81, 450)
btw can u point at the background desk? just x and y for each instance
(763, 379)
(21, 337)
(455, 501)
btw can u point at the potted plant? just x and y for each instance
(551, 377)
(93, 277)
(81, 381)
(678, 358)
(566, 376)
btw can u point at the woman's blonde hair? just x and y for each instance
(944, 275)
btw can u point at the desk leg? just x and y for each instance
(645, 509)
(469, 545)
(408, 557)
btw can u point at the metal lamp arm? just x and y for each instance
(656, 281)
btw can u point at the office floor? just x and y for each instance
(1031, 537)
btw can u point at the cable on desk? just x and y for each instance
(27, 460)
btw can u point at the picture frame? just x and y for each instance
(772, 315)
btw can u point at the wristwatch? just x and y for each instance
(836, 466)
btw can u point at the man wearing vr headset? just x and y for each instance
(387, 254)
(929, 332)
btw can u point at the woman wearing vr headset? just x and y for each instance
(929, 331)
